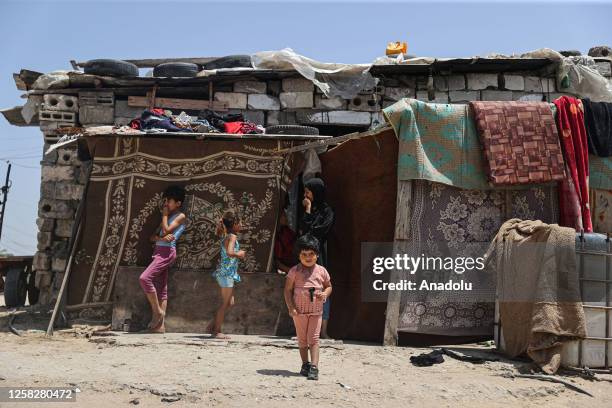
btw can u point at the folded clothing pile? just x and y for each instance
(159, 120)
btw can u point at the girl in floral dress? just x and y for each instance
(226, 273)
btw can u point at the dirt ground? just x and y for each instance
(124, 369)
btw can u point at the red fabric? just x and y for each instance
(570, 121)
(283, 246)
(233, 127)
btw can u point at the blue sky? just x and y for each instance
(45, 35)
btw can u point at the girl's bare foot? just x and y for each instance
(220, 336)
(161, 329)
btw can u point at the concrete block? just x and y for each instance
(549, 84)
(287, 118)
(335, 102)
(263, 102)
(123, 110)
(41, 261)
(42, 279)
(297, 85)
(295, 100)
(421, 83)
(275, 87)
(440, 97)
(449, 83)
(97, 98)
(232, 100)
(533, 84)
(45, 240)
(47, 190)
(59, 102)
(45, 115)
(250, 87)
(272, 118)
(58, 209)
(527, 97)
(481, 81)
(50, 158)
(514, 82)
(395, 94)
(364, 103)
(67, 157)
(406, 81)
(58, 265)
(490, 95)
(348, 118)
(97, 115)
(45, 224)
(463, 96)
(50, 129)
(57, 173)
(604, 68)
(68, 191)
(63, 228)
(257, 117)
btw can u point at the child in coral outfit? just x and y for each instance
(308, 286)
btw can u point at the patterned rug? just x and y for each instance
(437, 142)
(520, 142)
(450, 221)
(124, 196)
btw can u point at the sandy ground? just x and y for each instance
(121, 369)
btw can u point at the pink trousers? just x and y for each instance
(307, 328)
(154, 279)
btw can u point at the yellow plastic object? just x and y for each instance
(396, 47)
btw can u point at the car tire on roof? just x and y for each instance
(110, 67)
(230, 61)
(291, 130)
(176, 69)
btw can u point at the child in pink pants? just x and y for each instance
(308, 286)
(154, 280)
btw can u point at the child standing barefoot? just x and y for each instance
(154, 280)
(227, 271)
(308, 286)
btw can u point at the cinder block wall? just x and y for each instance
(268, 102)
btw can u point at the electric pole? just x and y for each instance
(5, 189)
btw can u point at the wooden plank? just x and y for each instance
(153, 62)
(189, 104)
(217, 136)
(402, 219)
(335, 140)
(404, 203)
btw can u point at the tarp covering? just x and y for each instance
(123, 200)
(333, 79)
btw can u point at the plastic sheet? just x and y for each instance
(333, 79)
(576, 75)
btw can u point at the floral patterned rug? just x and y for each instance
(446, 221)
(123, 202)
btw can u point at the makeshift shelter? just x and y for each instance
(372, 203)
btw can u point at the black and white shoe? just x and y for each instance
(313, 373)
(305, 369)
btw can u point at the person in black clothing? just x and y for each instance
(317, 221)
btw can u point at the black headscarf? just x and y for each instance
(321, 218)
(317, 186)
